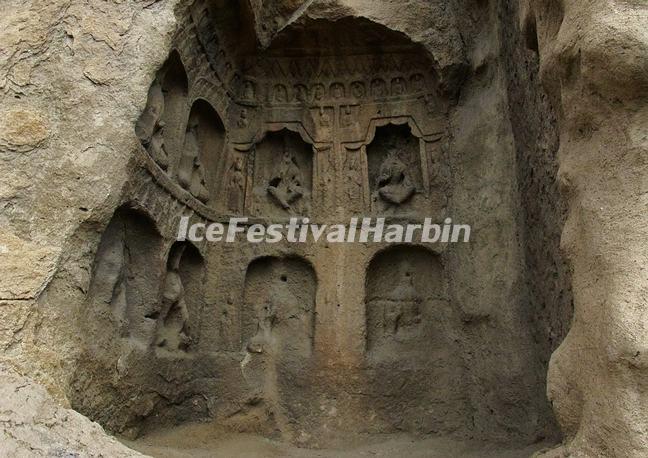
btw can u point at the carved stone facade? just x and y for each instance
(326, 124)
(119, 118)
(525, 120)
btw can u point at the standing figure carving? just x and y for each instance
(191, 173)
(150, 126)
(236, 186)
(172, 331)
(403, 307)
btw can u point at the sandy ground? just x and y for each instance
(202, 440)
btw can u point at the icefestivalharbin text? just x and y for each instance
(301, 230)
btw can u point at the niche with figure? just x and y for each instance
(202, 153)
(182, 300)
(412, 335)
(127, 273)
(405, 302)
(278, 327)
(395, 175)
(279, 306)
(158, 128)
(283, 175)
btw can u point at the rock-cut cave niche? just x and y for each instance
(142, 316)
(327, 106)
(283, 175)
(160, 128)
(201, 161)
(395, 170)
(181, 302)
(278, 331)
(152, 302)
(411, 342)
(124, 288)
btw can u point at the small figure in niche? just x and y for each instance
(358, 89)
(318, 92)
(150, 127)
(418, 82)
(354, 178)
(394, 185)
(249, 92)
(301, 93)
(280, 93)
(236, 185)
(346, 116)
(198, 187)
(267, 317)
(278, 309)
(398, 86)
(403, 309)
(286, 185)
(337, 91)
(324, 117)
(243, 120)
(430, 104)
(378, 88)
(173, 332)
(191, 173)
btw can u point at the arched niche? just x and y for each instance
(277, 331)
(412, 345)
(159, 128)
(283, 175)
(406, 305)
(395, 169)
(279, 307)
(124, 289)
(181, 300)
(201, 162)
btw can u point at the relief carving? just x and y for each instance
(385, 84)
(337, 91)
(378, 88)
(402, 308)
(280, 93)
(282, 175)
(348, 115)
(150, 126)
(243, 120)
(395, 170)
(172, 332)
(191, 173)
(286, 185)
(417, 82)
(394, 185)
(278, 313)
(358, 89)
(236, 185)
(398, 86)
(354, 179)
(403, 283)
(301, 93)
(324, 117)
(318, 92)
(249, 91)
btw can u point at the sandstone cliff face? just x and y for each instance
(74, 82)
(74, 79)
(34, 424)
(593, 61)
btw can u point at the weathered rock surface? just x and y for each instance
(33, 424)
(594, 62)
